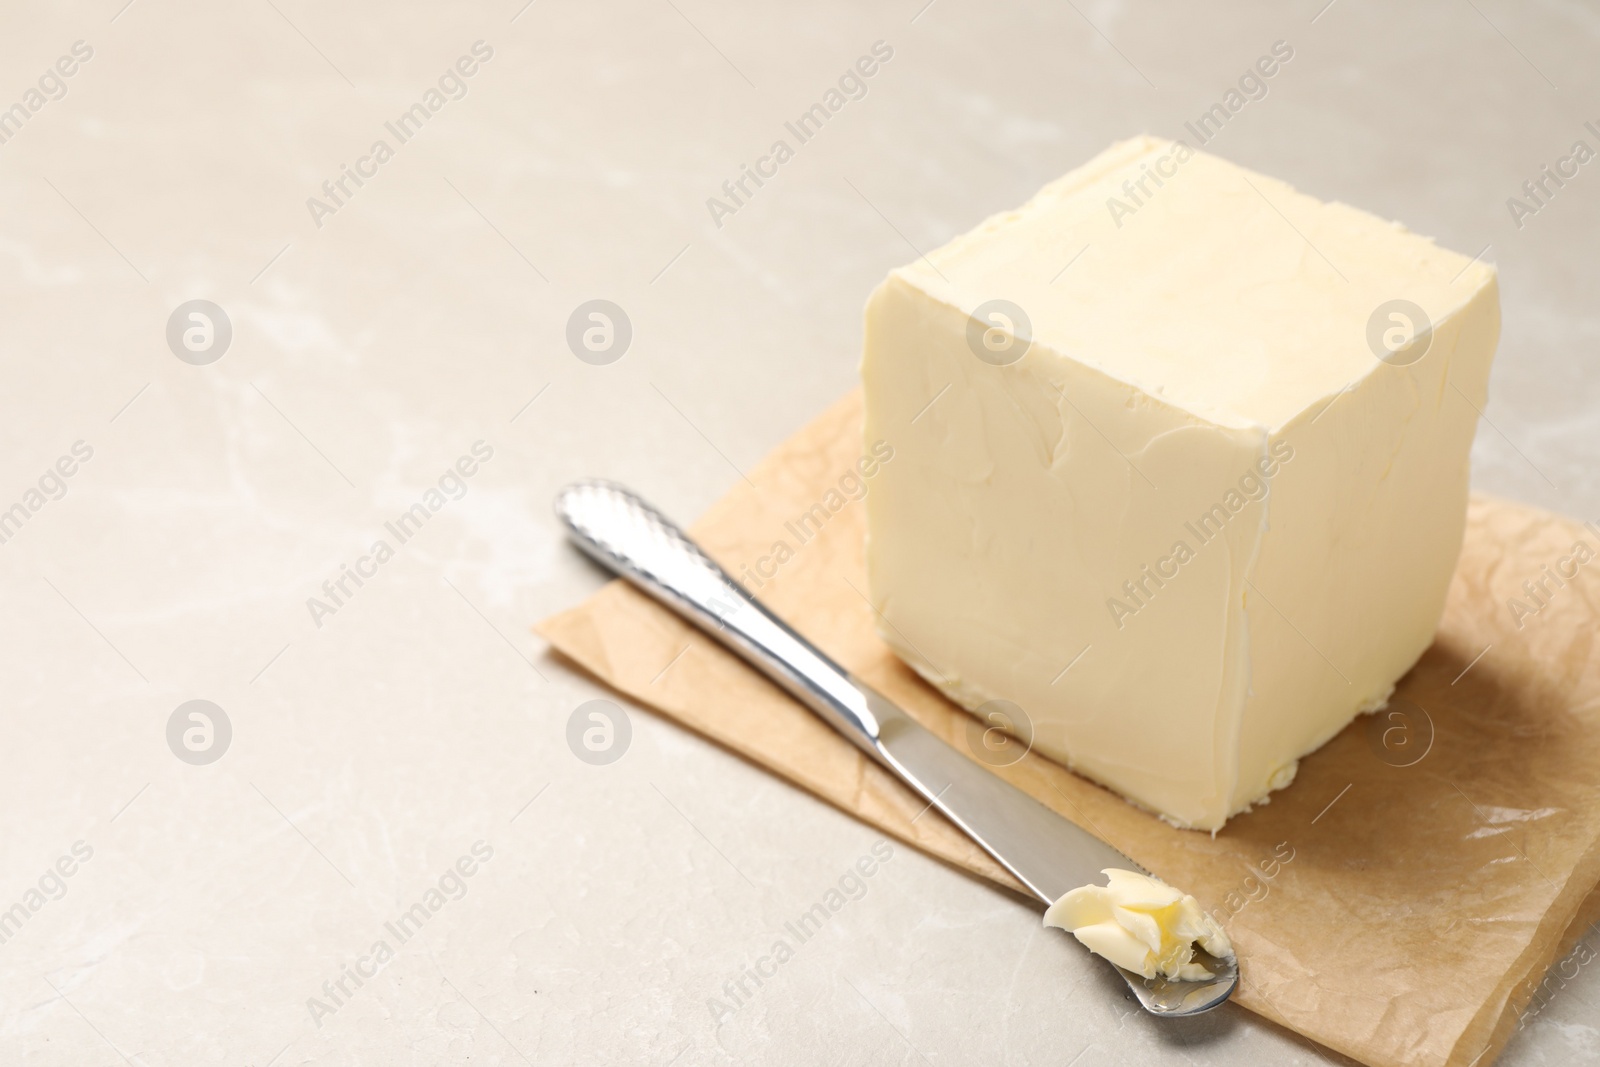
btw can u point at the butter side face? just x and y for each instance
(1198, 485)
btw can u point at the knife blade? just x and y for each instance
(1045, 852)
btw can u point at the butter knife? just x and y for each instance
(1045, 852)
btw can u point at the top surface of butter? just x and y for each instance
(1250, 276)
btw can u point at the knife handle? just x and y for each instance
(625, 534)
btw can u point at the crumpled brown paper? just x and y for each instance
(1399, 902)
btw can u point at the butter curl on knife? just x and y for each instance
(1143, 924)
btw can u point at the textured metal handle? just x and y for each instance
(627, 535)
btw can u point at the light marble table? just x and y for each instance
(376, 338)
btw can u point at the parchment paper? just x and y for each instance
(1399, 902)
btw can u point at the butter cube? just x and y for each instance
(1181, 465)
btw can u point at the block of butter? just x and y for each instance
(1181, 463)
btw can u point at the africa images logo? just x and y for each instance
(451, 85)
(852, 85)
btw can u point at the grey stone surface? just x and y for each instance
(377, 338)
